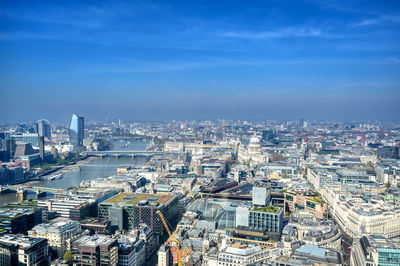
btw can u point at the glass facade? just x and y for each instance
(76, 131)
(388, 257)
(32, 138)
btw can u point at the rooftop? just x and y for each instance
(20, 240)
(95, 240)
(271, 209)
(57, 225)
(132, 199)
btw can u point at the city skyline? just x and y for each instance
(185, 60)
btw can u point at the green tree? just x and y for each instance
(387, 185)
(68, 256)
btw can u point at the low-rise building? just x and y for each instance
(127, 210)
(310, 255)
(264, 219)
(374, 250)
(131, 250)
(306, 201)
(59, 232)
(19, 218)
(95, 250)
(23, 250)
(239, 254)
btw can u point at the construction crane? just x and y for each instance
(182, 254)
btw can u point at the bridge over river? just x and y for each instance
(119, 153)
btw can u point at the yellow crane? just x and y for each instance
(182, 254)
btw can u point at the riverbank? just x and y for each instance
(63, 169)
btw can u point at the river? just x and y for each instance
(96, 168)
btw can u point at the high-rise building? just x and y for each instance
(42, 127)
(76, 131)
(301, 122)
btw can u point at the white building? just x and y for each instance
(357, 216)
(59, 232)
(242, 254)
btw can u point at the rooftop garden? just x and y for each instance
(118, 198)
(132, 199)
(318, 200)
(30, 202)
(271, 209)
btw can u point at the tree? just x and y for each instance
(387, 185)
(275, 157)
(68, 256)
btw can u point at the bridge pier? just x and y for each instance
(21, 193)
(40, 194)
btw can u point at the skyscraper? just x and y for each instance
(76, 131)
(43, 128)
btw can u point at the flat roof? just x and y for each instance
(132, 199)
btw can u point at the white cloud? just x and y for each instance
(294, 32)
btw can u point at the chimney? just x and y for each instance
(41, 147)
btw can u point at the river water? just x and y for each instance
(96, 168)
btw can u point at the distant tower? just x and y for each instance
(42, 127)
(76, 131)
(301, 122)
(41, 147)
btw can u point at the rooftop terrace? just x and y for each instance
(271, 209)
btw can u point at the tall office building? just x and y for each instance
(76, 131)
(42, 127)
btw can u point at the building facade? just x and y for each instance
(126, 211)
(43, 128)
(23, 250)
(59, 232)
(96, 250)
(76, 131)
(374, 250)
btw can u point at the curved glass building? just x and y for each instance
(76, 131)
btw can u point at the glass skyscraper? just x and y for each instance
(76, 131)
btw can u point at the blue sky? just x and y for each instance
(159, 60)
